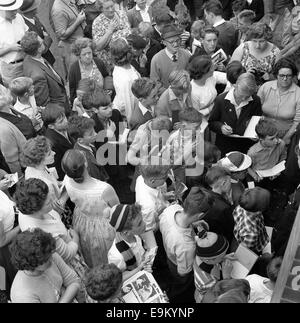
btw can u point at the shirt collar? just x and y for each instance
(219, 23)
(197, 42)
(231, 99)
(172, 95)
(170, 55)
(293, 87)
(143, 109)
(22, 106)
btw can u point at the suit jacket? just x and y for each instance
(137, 117)
(228, 37)
(154, 48)
(60, 144)
(224, 112)
(135, 17)
(40, 29)
(48, 88)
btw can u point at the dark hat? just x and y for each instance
(137, 42)
(30, 5)
(118, 216)
(170, 31)
(210, 245)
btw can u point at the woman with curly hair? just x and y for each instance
(258, 55)
(42, 277)
(86, 66)
(127, 251)
(91, 198)
(124, 75)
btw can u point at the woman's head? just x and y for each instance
(32, 44)
(83, 49)
(103, 282)
(180, 82)
(285, 71)
(82, 129)
(108, 8)
(245, 87)
(121, 52)
(74, 164)
(37, 151)
(32, 196)
(127, 218)
(259, 34)
(201, 66)
(32, 250)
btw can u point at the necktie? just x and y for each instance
(174, 58)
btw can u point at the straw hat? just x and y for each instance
(10, 5)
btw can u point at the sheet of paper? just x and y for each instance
(276, 170)
(245, 259)
(250, 130)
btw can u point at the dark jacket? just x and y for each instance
(3, 163)
(48, 88)
(60, 145)
(155, 47)
(137, 117)
(40, 29)
(228, 37)
(135, 17)
(258, 7)
(75, 75)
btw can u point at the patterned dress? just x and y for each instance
(100, 27)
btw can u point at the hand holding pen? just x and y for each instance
(226, 129)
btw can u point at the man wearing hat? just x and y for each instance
(29, 11)
(171, 58)
(12, 29)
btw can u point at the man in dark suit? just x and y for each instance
(49, 86)
(141, 12)
(29, 12)
(57, 125)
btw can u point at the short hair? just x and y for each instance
(32, 248)
(209, 30)
(82, 43)
(199, 66)
(161, 123)
(273, 269)
(6, 98)
(146, 29)
(198, 25)
(154, 171)
(73, 164)
(199, 200)
(30, 43)
(213, 6)
(35, 151)
(238, 5)
(20, 85)
(103, 281)
(265, 127)
(285, 63)
(232, 296)
(179, 79)
(78, 125)
(95, 99)
(233, 70)
(248, 14)
(211, 152)
(52, 113)
(259, 30)
(135, 211)
(255, 199)
(246, 81)
(214, 174)
(31, 195)
(121, 52)
(142, 87)
(190, 115)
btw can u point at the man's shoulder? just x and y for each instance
(161, 55)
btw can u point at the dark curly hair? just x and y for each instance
(199, 66)
(30, 43)
(259, 30)
(73, 164)
(35, 151)
(32, 248)
(78, 125)
(285, 63)
(82, 43)
(103, 282)
(121, 52)
(31, 195)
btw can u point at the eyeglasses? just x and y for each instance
(285, 76)
(174, 42)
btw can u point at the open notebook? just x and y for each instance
(250, 130)
(276, 170)
(245, 260)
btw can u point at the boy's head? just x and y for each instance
(255, 199)
(180, 82)
(146, 91)
(154, 175)
(22, 87)
(196, 28)
(212, 10)
(54, 117)
(99, 102)
(82, 129)
(273, 269)
(219, 179)
(267, 132)
(103, 282)
(190, 119)
(209, 37)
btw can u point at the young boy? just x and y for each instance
(23, 89)
(269, 151)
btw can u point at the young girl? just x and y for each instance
(91, 198)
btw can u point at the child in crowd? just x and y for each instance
(249, 228)
(127, 251)
(196, 29)
(23, 89)
(211, 263)
(262, 288)
(269, 151)
(85, 86)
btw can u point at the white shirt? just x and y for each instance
(11, 33)
(219, 23)
(144, 110)
(144, 13)
(170, 55)
(7, 213)
(259, 293)
(196, 43)
(115, 257)
(238, 107)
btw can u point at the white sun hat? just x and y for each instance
(236, 161)
(9, 5)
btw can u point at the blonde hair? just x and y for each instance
(20, 85)
(247, 83)
(180, 79)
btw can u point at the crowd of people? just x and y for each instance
(130, 136)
